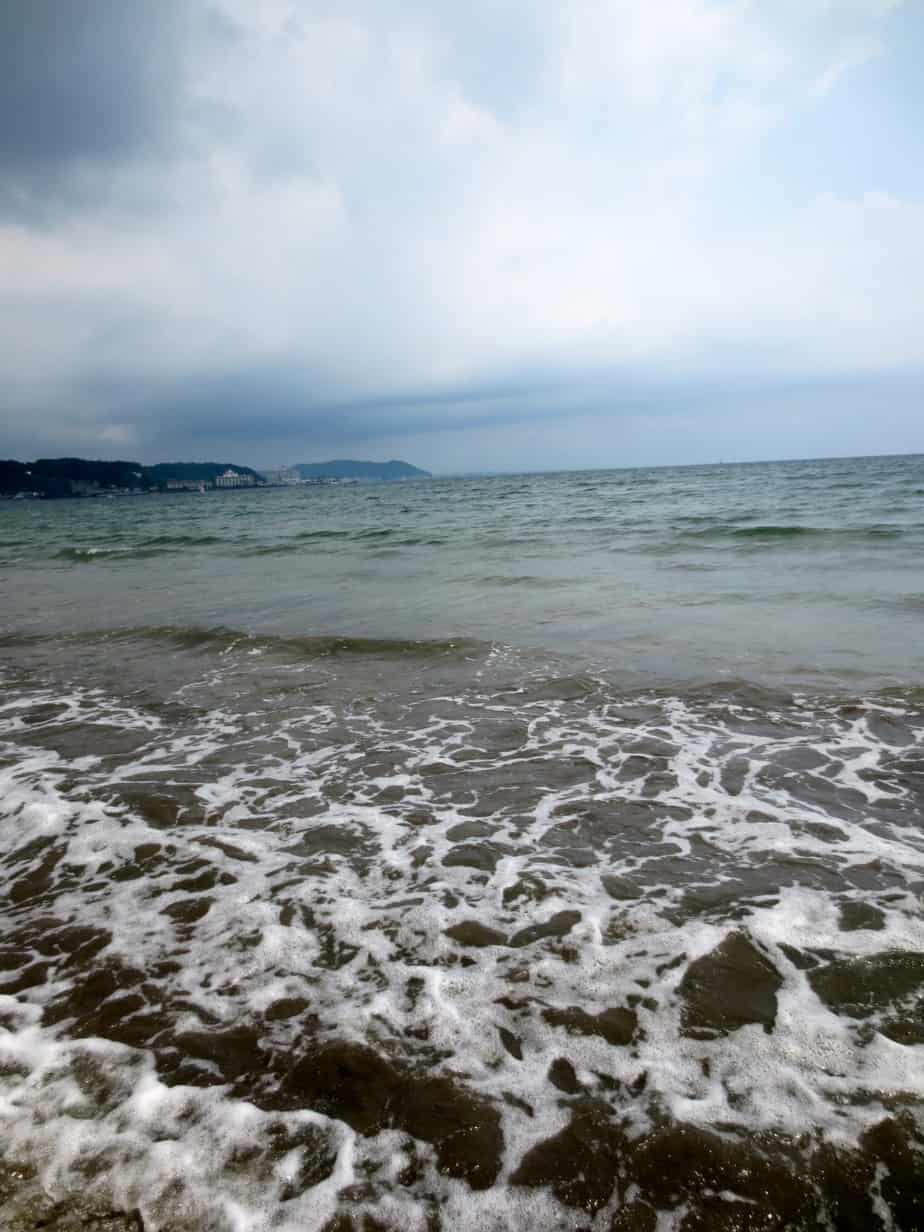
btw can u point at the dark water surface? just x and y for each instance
(533, 852)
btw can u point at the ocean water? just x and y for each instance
(539, 851)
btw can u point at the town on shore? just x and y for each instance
(49, 478)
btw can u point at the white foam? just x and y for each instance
(280, 788)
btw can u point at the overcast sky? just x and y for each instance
(490, 234)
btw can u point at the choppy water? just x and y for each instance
(542, 851)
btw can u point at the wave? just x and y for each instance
(898, 603)
(182, 541)
(220, 638)
(94, 554)
(270, 549)
(413, 541)
(787, 531)
(524, 669)
(223, 640)
(157, 545)
(323, 534)
(522, 579)
(775, 532)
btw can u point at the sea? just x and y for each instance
(536, 851)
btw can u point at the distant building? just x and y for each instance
(185, 485)
(233, 479)
(284, 475)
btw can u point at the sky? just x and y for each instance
(498, 235)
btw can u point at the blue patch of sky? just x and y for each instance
(863, 135)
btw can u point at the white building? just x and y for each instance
(233, 479)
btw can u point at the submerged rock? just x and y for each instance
(562, 1075)
(559, 925)
(580, 1164)
(732, 986)
(483, 856)
(855, 916)
(26, 1207)
(370, 1093)
(472, 932)
(858, 987)
(636, 1217)
(617, 1025)
(678, 1163)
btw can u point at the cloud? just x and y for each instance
(82, 87)
(301, 222)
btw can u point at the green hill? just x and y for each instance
(83, 476)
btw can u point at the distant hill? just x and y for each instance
(68, 476)
(84, 477)
(347, 468)
(88, 477)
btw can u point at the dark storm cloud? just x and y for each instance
(260, 408)
(265, 410)
(266, 402)
(84, 84)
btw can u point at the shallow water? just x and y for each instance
(803, 573)
(566, 872)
